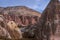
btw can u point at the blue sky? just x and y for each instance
(38, 5)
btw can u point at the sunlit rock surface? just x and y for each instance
(19, 22)
(4, 33)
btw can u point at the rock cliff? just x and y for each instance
(17, 18)
(50, 21)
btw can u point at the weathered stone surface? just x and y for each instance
(15, 19)
(50, 22)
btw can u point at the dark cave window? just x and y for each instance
(2, 24)
(59, 22)
(11, 23)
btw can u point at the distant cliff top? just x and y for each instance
(22, 10)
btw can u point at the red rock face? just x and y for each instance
(50, 24)
(22, 20)
(14, 18)
(21, 15)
